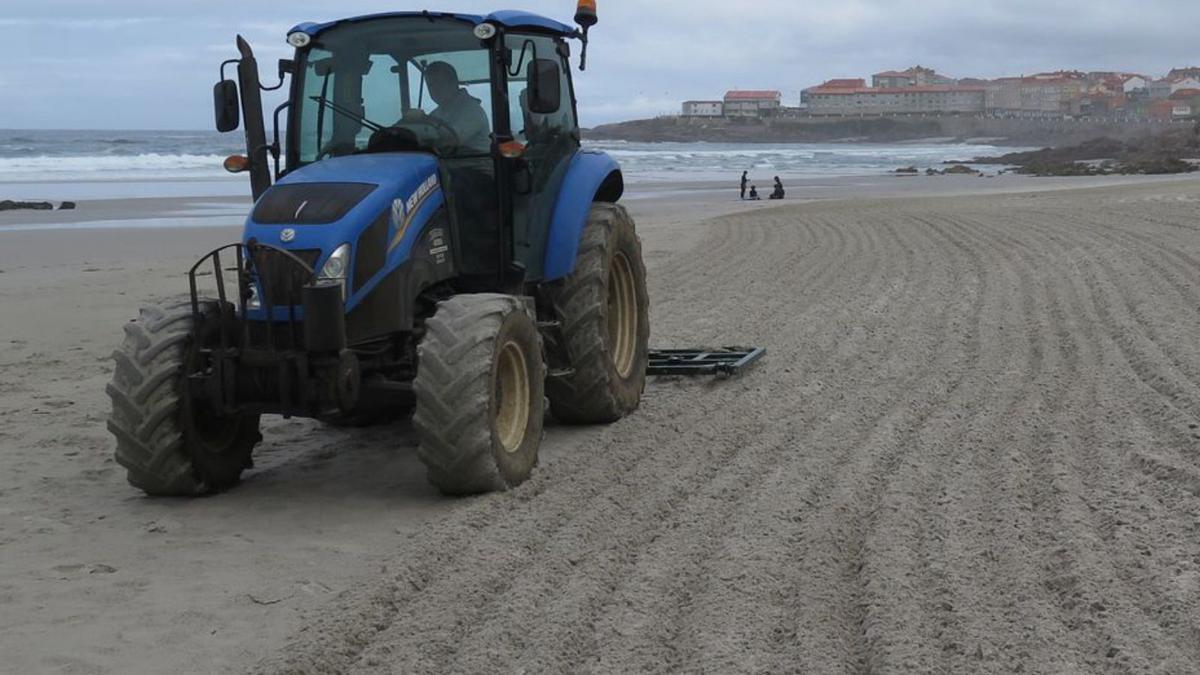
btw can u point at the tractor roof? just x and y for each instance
(509, 18)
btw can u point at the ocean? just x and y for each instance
(83, 156)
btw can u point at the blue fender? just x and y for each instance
(592, 175)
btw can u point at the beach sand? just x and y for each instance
(971, 447)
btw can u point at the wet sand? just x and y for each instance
(972, 447)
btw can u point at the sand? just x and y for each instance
(973, 447)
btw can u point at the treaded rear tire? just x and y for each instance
(596, 392)
(149, 415)
(457, 400)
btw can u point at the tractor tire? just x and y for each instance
(168, 446)
(480, 390)
(604, 311)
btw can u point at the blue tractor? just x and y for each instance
(429, 236)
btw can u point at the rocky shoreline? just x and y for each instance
(1168, 153)
(11, 205)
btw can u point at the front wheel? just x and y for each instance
(169, 444)
(480, 394)
(604, 311)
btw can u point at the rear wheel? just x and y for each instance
(604, 310)
(480, 391)
(169, 444)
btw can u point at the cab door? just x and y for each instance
(551, 141)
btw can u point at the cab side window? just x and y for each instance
(528, 126)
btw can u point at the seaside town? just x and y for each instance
(923, 91)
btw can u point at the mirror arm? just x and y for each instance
(226, 63)
(275, 146)
(583, 36)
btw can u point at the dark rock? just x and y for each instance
(66, 206)
(907, 169)
(961, 169)
(10, 205)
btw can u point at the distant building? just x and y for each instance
(1114, 82)
(917, 76)
(1134, 83)
(931, 99)
(1043, 95)
(1185, 102)
(752, 103)
(703, 108)
(1192, 72)
(1162, 89)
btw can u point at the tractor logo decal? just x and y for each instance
(287, 235)
(404, 210)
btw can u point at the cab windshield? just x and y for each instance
(404, 83)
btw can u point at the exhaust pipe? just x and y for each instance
(252, 114)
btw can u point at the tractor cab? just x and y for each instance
(488, 101)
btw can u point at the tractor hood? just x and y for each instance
(316, 209)
(370, 207)
(339, 195)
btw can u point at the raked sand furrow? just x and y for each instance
(967, 451)
(824, 618)
(1094, 602)
(569, 538)
(918, 617)
(750, 520)
(600, 578)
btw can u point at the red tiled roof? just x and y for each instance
(751, 95)
(1185, 94)
(845, 83)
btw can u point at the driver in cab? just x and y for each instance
(456, 108)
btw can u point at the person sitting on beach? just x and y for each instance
(778, 193)
(754, 193)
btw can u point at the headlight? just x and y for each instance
(299, 40)
(335, 268)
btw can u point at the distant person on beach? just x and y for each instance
(778, 193)
(745, 180)
(754, 193)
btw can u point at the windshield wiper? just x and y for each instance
(348, 113)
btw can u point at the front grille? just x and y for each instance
(280, 278)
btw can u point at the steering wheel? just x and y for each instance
(444, 130)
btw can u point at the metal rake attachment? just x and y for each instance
(725, 361)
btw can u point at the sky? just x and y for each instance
(151, 64)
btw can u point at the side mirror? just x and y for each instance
(225, 103)
(286, 67)
(545, 86)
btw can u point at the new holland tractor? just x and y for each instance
(429, 236)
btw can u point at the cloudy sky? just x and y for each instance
(150, 64)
